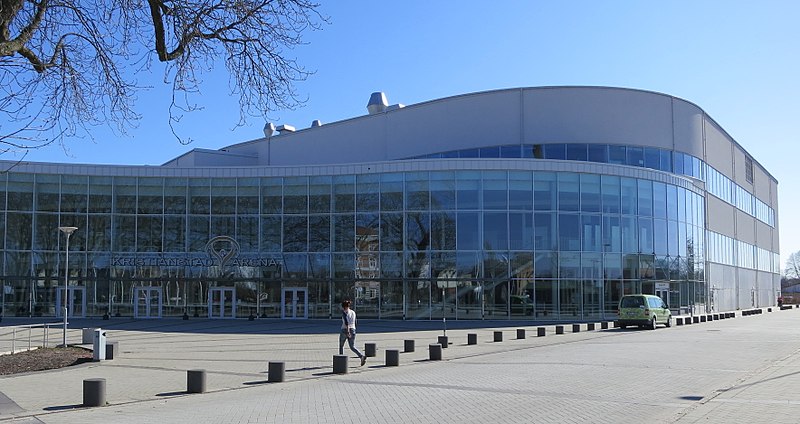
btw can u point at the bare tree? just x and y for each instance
(69, 65)
(793, 266)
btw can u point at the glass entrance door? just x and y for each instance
(76, 302)
(221, 302)
(295, 303)
(147, 302)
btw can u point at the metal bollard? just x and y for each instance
(277, 372)
(520, 333)
(370, 349)
(498, 336)
(112, 350)
(472, 339)
(94, 392)
(196, 381)
(540, 332)
(392, 357)
(435, 352)
(340, 364)
(408, 345)
(443, 341)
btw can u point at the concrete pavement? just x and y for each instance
(745, 369)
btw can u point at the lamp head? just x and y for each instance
(67, 230)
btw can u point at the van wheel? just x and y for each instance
(653, 323)
(669, 321)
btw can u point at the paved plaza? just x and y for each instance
(745, 369)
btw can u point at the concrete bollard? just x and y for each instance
(604, 325)
(340, 364)
(590, 326)
(435, 352)
(695, 320)
(392, 357)
(370, 350)
(443, 341)
(112, 350)
(679, 321)
(576, 328)
(498, 336)
(94, 392)
(715, 317)
(520, 333)
(769, 309)
(276, 372)
(540, 331)
(196, 381)
(559, 329)
(472, 339)
(702, 318)
(408, 345)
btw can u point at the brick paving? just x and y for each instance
(745, 369)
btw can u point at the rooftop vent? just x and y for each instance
(316, 123)
(377, 103)
(269, 128)
(395, 107)
(285, 128)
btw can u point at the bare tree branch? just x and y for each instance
(65, 65)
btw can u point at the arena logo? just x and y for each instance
(222, 251)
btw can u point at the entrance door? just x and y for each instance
(295, 303)
(662, 291)
(76, 302)
(147, 302)
(221, 302)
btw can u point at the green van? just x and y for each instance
(643, 310)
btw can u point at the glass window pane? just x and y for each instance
(665, 160)
(295, 195)
(223, 196)
(635, 156)
(367, 193)
(598, 153)
(520, 191)
(645, 190)
(247, 200)
(417, 191)
(319, 194)
(652, 158)
(612, 234)
(495, 231)
(555, 151)
(495, 190)
(392, 231)
(271, 227)
(490, 152)
(344, 239)
(545, 192)
(319, 233)
(646, 235)
(418, 231)
(151, 195)
(443, 191)
(590, 192)
(272, 195)
(125, 195)
(610, 194)
(590, 233)
(174, 196)
(659, 200)
(577, 152)
(617, 155)
(545, 231)
(392, 192)
(510, 151)
(467, 231)
(73, 193)
(569, 232)
(520, 231)
(344, 193)
(468, 188)
(443, 231)
(568, 191)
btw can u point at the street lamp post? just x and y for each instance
(68, 231)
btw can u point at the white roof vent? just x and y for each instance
(377, 103)
(269, 128)
(395, 107)
(316, 123)
(285, 128)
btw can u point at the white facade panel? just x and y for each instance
(721, 216)
(463, 122)
(597, 115)
(688, 127)
(745, 227)
(718, 149)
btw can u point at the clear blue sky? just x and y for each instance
(738, 60)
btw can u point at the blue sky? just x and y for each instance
(738, 60)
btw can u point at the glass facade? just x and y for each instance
(460, 244)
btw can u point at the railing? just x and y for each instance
(23, 338)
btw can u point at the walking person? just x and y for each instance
(348, 332)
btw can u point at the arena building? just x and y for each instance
(532, 203)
